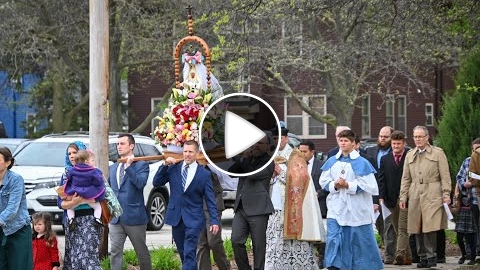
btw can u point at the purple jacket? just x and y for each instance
(86, 181)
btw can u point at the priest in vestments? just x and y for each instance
(351, 182)
(296, 223)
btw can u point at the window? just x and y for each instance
(389, 111)
(303, 124)
(401, 114)
(429, 114)
(366, 116)
(154, 104)
(292, 35)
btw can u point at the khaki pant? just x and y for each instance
(399, 222)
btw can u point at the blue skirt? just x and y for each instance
(352, 248)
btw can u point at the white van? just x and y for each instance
(42, 162)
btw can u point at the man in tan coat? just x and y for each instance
(426, 185)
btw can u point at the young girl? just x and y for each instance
(465, 228)
(44, 242)
(86, 181)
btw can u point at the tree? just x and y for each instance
(460, 123)
(51, 37)
(350, 48)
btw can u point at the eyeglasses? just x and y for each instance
(419, 137)
(261, 143)
(386, 137)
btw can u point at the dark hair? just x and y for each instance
(7, 156)
(310, 144)
(476, 141)
(131, 140)
(397, 135)
(357, 139)
(192, 142)
(349, 134)
(47, 221)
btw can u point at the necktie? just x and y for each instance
(121, 174)
(184, 176)
(397, 159)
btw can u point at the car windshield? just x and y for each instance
(50, 154)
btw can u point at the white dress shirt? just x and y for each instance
(192, 169)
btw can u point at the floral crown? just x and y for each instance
(192, 59)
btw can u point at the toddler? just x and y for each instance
(44, 243)
(86, 181)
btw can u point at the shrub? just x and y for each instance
(165, 258)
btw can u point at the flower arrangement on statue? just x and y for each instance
(180, 122)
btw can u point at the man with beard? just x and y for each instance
(252, 205)
(384, 227)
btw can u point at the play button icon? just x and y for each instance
(239, 134)
(245, 132)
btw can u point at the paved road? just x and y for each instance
(162, 237)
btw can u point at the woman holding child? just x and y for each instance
(81, 243)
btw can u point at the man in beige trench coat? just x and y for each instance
(425, 186)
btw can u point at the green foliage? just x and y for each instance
(451, 236)
(130, 257)
(165, 258)
(227, 244)
(459, 124)
(457, 128)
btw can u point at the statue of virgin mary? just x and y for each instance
(195, 75)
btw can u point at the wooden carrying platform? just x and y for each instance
(215, 155)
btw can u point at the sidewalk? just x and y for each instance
(451, 264)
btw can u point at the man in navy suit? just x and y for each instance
(189, 185)
(128, 181)
(389, 179)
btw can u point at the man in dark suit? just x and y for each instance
(252, 205)
(314, 166)
(212, 242)
(384, 227)
(128, 181)
(389, 179)
(189, 183)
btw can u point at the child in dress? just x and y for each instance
(466, 229)
(44, 243)
(86, 181)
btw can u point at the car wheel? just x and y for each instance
(157, 207)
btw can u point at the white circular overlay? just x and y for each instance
(201, 128)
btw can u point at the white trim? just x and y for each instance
(427, 114)
(369, 117)
(405, 122)
(390, 102)
(306, 117)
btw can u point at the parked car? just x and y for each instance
(12, 143)
(42, 163)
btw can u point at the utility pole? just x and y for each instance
(99, 90)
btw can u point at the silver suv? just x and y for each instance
(42, 162)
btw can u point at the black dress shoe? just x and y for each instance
(441, 260)
(461, 260)
(423, 264)
(432, 262)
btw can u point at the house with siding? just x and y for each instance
(15, 107)
(402, 111)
